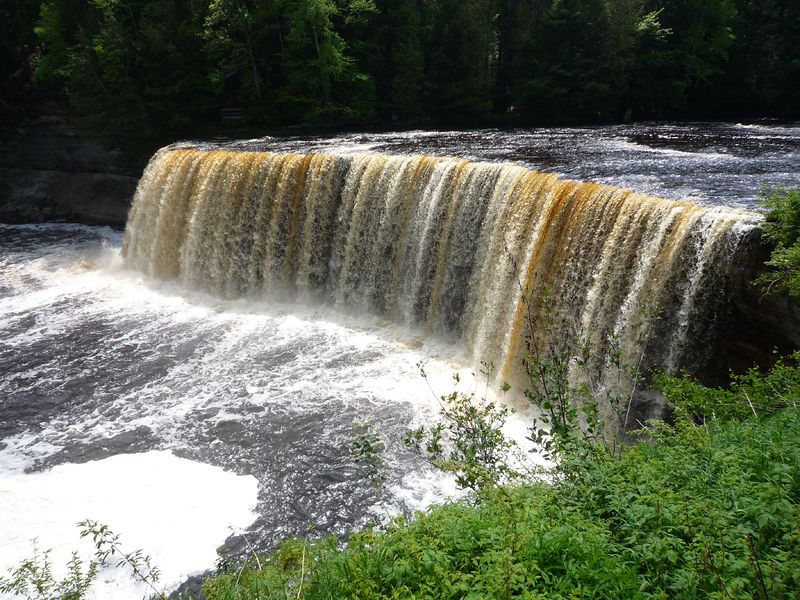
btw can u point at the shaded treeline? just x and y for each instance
(143, 68)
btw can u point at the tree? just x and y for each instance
(396, 58)
(320, 65)
(684, 44)
(142, 69)
(764, 62)
(782, 229)
(237, 36)
(461, 54)
(572, 58)
(169, 61)
(18, 44)
(129, 66)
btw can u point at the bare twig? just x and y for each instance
(755, 414)
(302, 571)
(252, 550)
(757, 565)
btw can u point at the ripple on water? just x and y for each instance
(99, 363)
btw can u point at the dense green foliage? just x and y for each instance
(144, 68)
(698, 512)
(751, 394)
(708, 507)
(782, 229)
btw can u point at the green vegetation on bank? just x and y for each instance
(143, 69)
(782, 229)
(706, 506)
(708, 511)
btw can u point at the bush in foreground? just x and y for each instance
(782, 229)
(708, 511)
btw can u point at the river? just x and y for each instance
(240, 414)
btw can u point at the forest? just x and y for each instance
(154, 69)
(576, 284)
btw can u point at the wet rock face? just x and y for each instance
(52, 171)
(757, 324)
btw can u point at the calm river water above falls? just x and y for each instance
(98, 361)
(711, 163)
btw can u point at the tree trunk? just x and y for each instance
(250, 54)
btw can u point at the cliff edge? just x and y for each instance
(50, 170)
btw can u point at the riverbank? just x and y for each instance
(708, 507)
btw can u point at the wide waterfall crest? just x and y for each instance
(442, 243)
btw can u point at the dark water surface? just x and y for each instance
(712, 163)
(96, 361)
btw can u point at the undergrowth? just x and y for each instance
(709, 511)
(782, 230)
(34, 578)
(707, 506)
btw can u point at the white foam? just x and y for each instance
(624, 144)
(418, 491)
(178, 511)
(334, 362)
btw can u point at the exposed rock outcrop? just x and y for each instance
(51, 170)
(758, 324)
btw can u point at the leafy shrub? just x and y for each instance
(468, 441)
(582, 396)
(705, 511)
(752, 394)
(33, 578)
(782, 228)
(697, 512)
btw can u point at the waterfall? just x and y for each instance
(441, 243)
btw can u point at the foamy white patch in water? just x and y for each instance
(418, 491)
(218, 380)
(20, 453)
(178, 511)
(706, 156)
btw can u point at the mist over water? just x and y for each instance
(270, 306)
(98, 360)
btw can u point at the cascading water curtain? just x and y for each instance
(442, 243)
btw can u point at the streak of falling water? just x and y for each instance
(444, 243)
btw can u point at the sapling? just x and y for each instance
(33, 578)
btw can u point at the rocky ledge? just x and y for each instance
(759, 327)
(52, 171)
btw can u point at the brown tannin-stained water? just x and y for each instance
(272, 297)
(720, 164)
